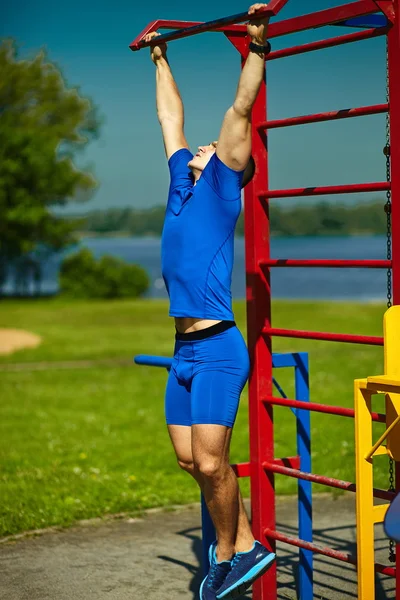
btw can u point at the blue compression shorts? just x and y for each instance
(209, 371)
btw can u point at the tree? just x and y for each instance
(43, 125)
(82, 276)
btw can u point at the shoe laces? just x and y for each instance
(216, 576)
(237, 558)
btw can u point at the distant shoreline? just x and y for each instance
(127, 235)
(321, 220)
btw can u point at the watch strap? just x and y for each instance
(258, 49)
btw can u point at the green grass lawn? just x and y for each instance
(81, 443)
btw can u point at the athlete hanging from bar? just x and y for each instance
(211, 362)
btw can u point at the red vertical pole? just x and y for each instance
(258, 288)
(394, 110)
(258, 296)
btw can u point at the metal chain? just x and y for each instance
(388, 210)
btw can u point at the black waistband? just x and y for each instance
(205, 333)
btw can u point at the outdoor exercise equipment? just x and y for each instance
(373, 18)
(364, 389)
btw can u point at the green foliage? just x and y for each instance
(315, 220)
(43, 124)
(81, 276)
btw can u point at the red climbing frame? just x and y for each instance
(259, 264)
(263, 464)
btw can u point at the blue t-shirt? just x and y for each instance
(197, 247)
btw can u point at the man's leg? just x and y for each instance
(244, 535)
(210, 447)
(181, 438)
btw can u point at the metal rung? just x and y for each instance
(349, 264)
(342, 556)
(329, 43)
(321, 408)
(325, 116)
(328, 337)
(328, 190)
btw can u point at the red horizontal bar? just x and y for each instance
(324, 17)
(242, 469)
(326, 116)
(321, 408)
(329, 43)
(342, 556)
(290, 461)
(288, 262)
(322, 480)
(273, 8)
(328, 190)
(171, 24)
(317, 335)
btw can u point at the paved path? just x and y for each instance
(158, 557)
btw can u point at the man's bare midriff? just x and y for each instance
(188, 324)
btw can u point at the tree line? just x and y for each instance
(312, 220)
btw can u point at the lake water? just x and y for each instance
(290, 283)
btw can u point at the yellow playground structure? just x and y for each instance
(368, 513)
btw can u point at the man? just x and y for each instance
(211, 363)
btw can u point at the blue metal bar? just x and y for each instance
(283, 360)
(278, 387)
(278, 361)
(282, 393)
(153, 361)
(366, 22)
(304, 487)
(208, 534)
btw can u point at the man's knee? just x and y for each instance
(187, 466)
(211, 467)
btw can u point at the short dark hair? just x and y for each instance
(249, 172)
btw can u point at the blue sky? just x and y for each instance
(89, 41)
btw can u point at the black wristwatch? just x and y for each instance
(260, 49)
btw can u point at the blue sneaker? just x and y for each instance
(216, 575)
(246, 567)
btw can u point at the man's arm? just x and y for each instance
(234, 145)
(169, 102)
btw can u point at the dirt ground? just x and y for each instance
(158, 557)
(17, 339)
